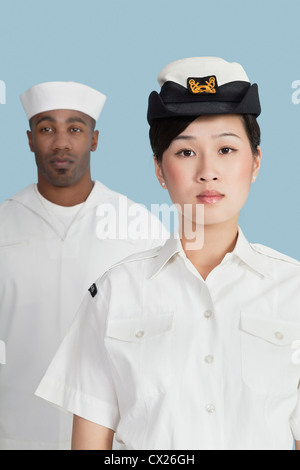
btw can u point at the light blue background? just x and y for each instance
(119, 47)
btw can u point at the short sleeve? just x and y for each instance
(79, 379)
(295, 420)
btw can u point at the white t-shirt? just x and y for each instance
(61, 216)
(170, 361)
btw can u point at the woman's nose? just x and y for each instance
(207, 170)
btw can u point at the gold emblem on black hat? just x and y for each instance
(206, 85)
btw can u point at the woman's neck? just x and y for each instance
(216, 241)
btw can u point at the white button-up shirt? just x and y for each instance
(45, 271)
(170, 361)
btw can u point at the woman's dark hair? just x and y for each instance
(163, 132)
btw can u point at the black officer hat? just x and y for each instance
(203, 85)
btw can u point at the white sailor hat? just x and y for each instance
(62, 95)
(203, 85)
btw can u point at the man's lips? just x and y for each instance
(61, 163)
(210, 197)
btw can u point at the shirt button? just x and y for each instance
(278, 335)
(210, 408)
(207, 313)
(209, 359)
(139, 334)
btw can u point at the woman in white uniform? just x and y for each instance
(192, 345)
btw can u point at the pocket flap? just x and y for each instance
(273, 330)
(2, 353)
(137, 329)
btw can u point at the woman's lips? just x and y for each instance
(210, 197)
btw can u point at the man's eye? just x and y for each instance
(46, 129)
(76, 130)
(186, 153)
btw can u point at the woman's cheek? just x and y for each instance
(238, 174)
(175, 176)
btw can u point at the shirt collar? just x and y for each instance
(243, 250)
(166, 252)
(28, 197)
(252, 258)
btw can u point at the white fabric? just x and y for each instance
(2, 353)
(170, 361)
(61, 217)
(180, 70)
(62, 95)
(43, 278)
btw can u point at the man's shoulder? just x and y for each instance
(107, 195)
(19, 197)
(137, 217)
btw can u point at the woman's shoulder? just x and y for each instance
(133, 263)
(275, 255)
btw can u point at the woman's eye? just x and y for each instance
(186, 153)
(225, 150)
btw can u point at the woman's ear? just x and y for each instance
(159, 172)
(256, 164)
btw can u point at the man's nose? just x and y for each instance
(61, 141)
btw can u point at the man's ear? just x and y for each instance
(95, 138)
(30, 140)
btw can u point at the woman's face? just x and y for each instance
(210, 163)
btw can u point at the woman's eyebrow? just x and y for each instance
(216, 136)
(185, 137)
(225, 134)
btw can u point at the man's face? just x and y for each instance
(62, 141)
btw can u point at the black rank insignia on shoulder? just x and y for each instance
(93, 290)
(202, 86)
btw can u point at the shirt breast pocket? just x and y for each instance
(268, 358)
(141, 352)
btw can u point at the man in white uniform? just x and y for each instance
(52, 246)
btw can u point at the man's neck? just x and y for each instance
(66, 196)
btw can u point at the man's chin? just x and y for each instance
(62, 182)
